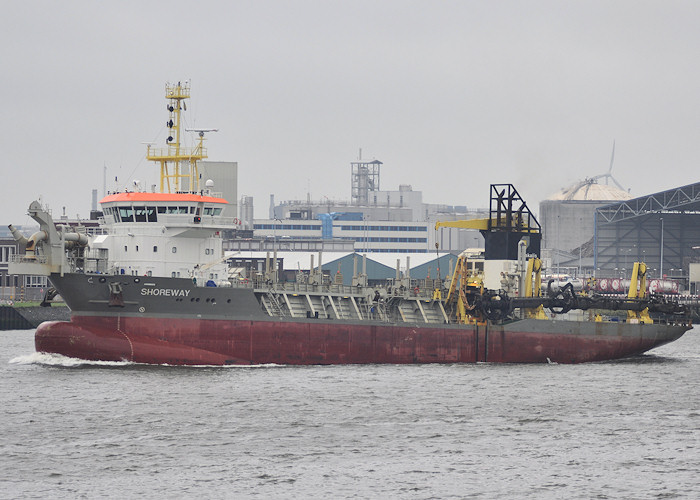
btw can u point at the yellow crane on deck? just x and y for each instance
(466, 287)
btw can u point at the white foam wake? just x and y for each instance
(42, 358)
(51, 359)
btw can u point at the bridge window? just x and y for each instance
(140, 214)
(126, 214)
(151, 214)
(212, 211)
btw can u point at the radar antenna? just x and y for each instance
(201, 131)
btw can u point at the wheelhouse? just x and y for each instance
(161, 207)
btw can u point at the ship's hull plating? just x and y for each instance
(186, 325)
(218, 342)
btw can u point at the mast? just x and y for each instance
(174, 160)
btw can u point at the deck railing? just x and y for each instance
(29, 259)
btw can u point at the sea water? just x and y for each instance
(619, 429)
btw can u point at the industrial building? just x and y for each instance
(373, 220)
(661, 229)
(224, 175)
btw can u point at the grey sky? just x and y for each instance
(451, 96)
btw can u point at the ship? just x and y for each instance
(156, 289)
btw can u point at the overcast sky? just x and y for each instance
(451, 96)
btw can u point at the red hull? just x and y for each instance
(219, 342)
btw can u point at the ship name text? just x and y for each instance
(165, 292)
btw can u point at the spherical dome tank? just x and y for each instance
(590, 190)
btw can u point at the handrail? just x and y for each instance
(23, 259)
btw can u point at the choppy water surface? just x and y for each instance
(625, 429)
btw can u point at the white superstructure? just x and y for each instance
(165, 234)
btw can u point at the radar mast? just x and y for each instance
(179, 171)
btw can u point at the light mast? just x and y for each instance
(175, 176)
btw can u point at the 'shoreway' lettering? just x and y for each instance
(165, 292)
